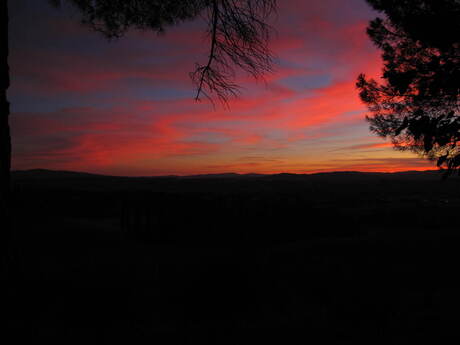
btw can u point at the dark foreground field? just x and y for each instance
(342, 258)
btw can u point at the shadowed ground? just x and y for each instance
(332, 258)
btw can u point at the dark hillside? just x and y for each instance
(341, 258)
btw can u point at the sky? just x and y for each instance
(126, 107)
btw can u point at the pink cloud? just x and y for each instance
(144, 131)
(369, 146)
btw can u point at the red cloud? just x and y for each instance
(369, 146)
(136, 135)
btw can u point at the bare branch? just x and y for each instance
(239, 39)
(237, 29)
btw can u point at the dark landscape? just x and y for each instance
(333, 258)
(232, 100)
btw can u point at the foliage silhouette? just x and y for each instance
(238, 33)
(417, 105)
(5, 138)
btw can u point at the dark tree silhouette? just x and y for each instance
(5, 139)
(238, 38)
(237, 30)
(417, 104)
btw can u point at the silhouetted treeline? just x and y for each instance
(254, 210)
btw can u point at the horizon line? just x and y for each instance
(229, 173)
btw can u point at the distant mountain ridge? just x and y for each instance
(63, 174)
(46, 173)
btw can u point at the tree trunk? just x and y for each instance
(5, 139)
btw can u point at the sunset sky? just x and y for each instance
(126, 107)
